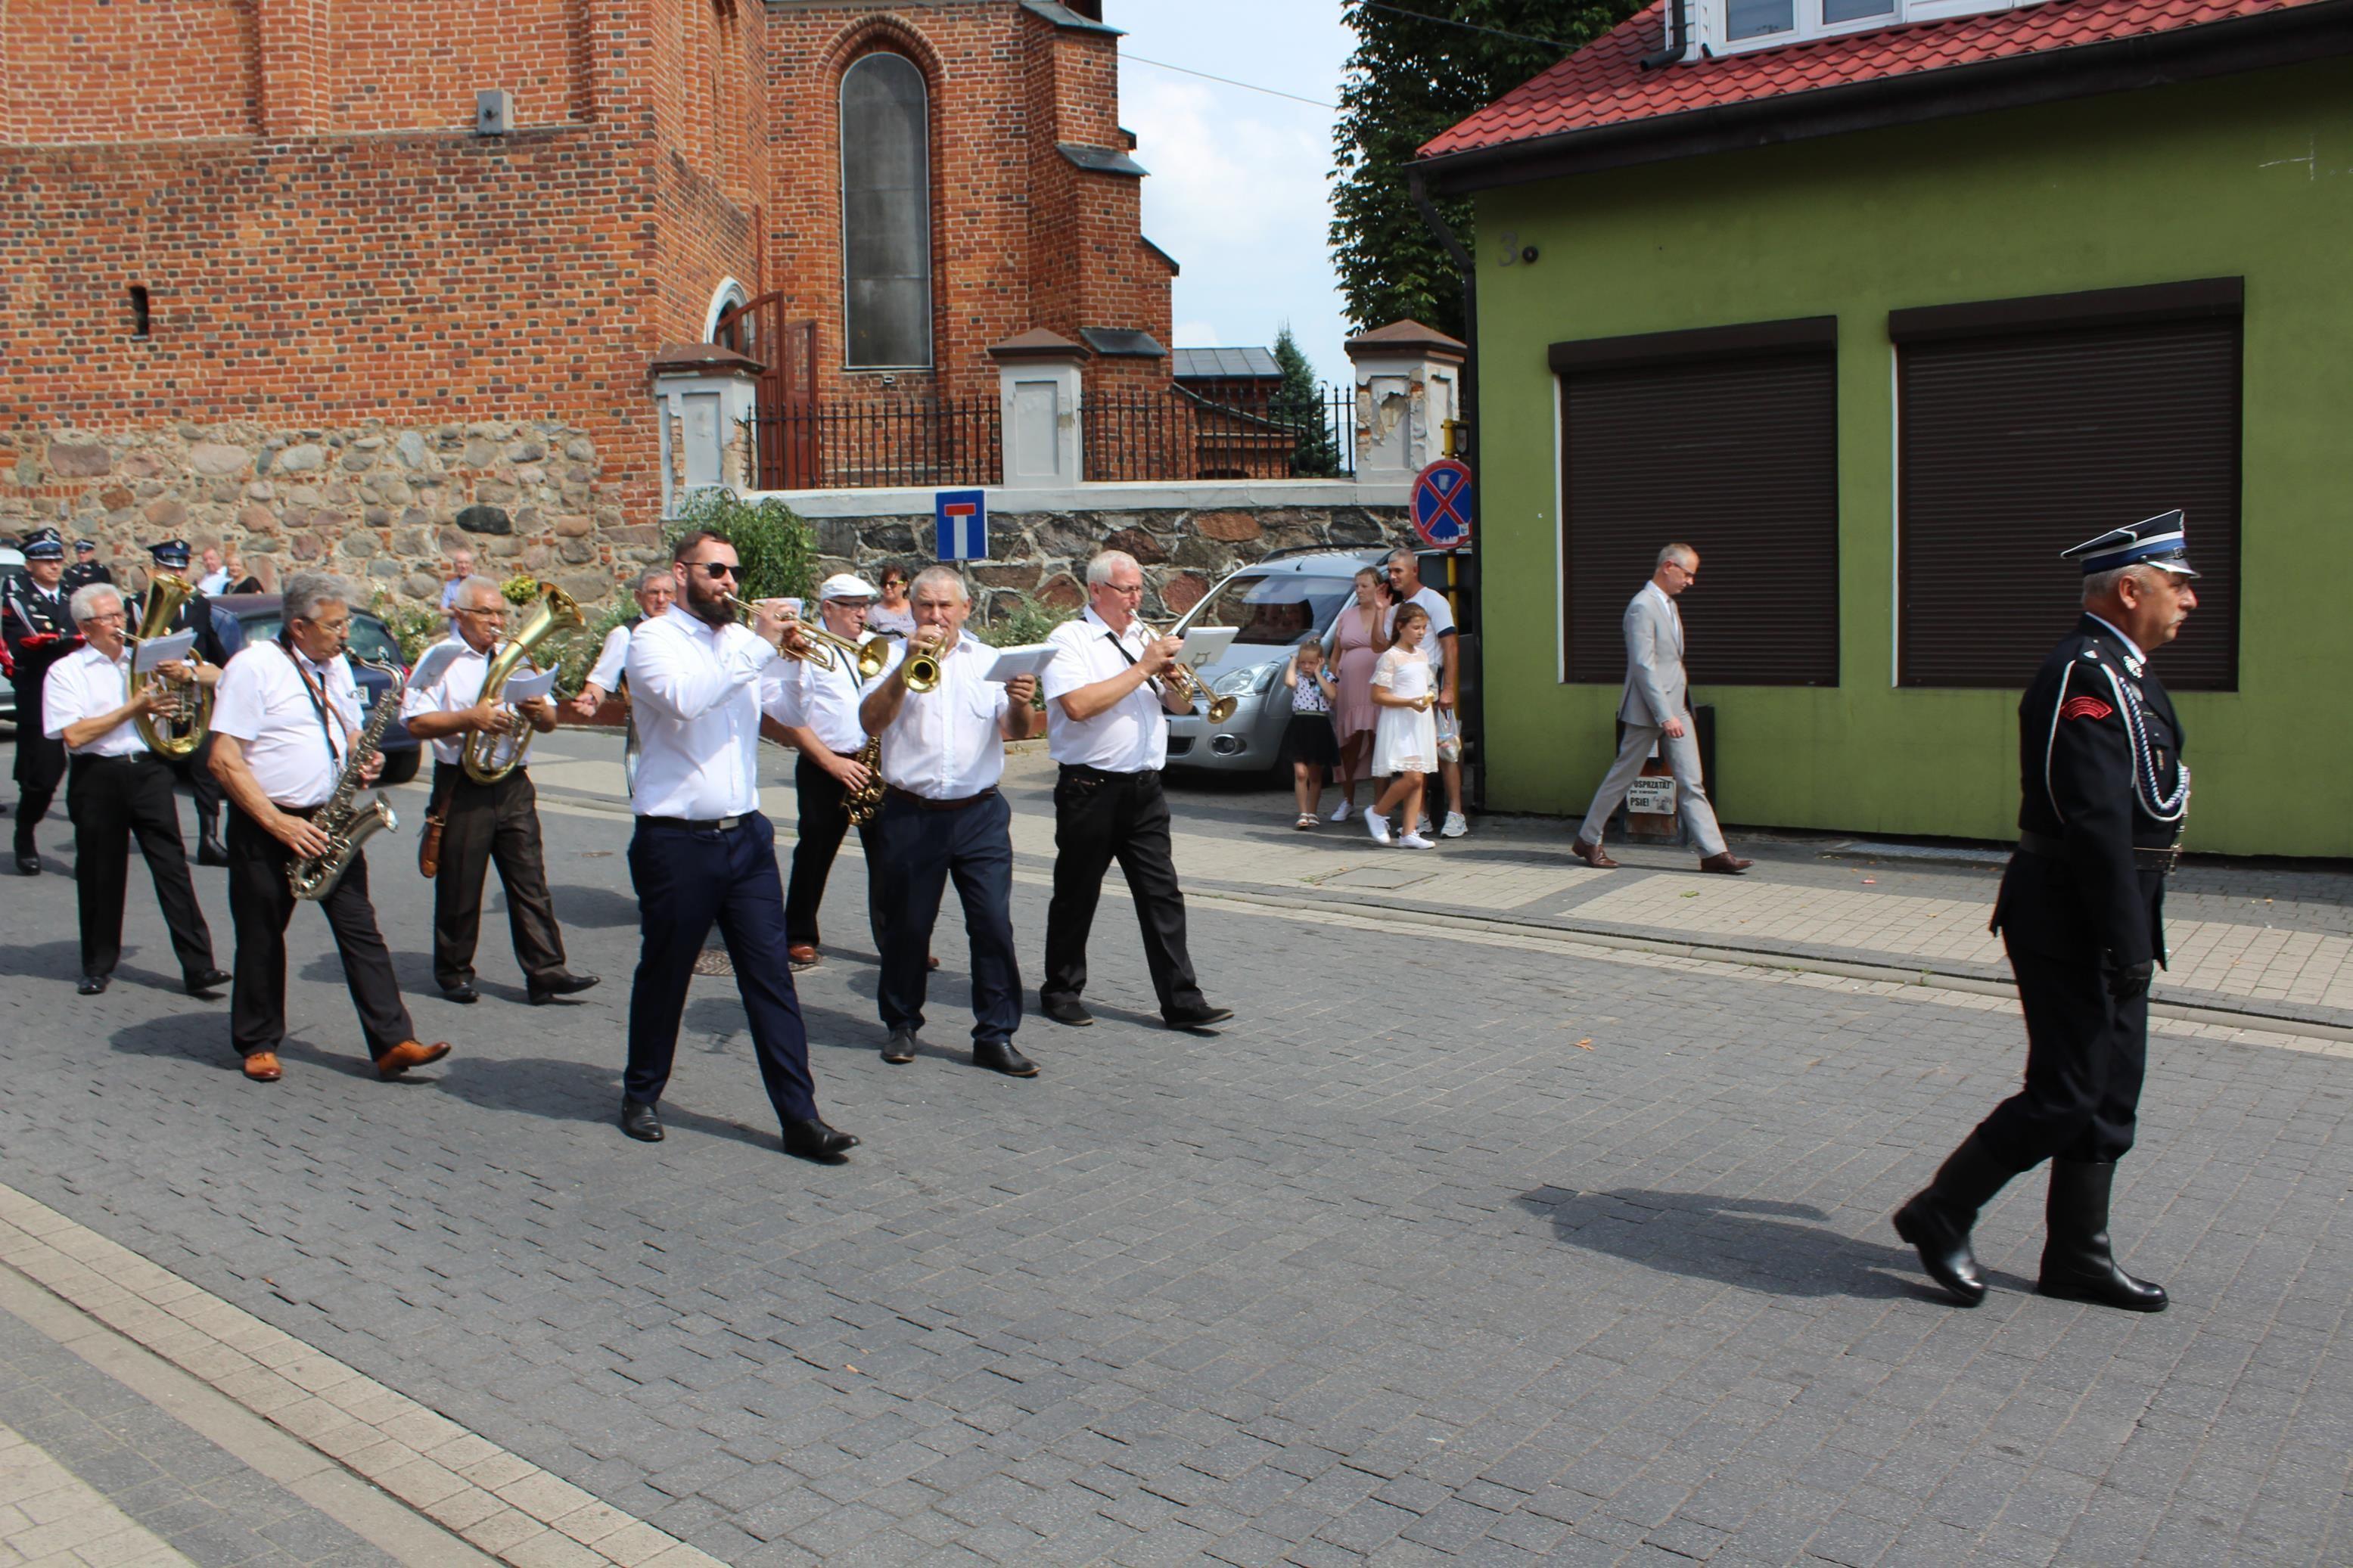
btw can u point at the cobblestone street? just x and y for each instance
(1458, 1245)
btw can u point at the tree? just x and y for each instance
(1419, 67)
(1298, 402)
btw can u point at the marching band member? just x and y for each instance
(116, 787)
(654, 592)
(943, 754)
(196, 614)
(39, 632)
(703, 852)
(816, 713)
(485, 823)
(284, 716)
(1107, 726)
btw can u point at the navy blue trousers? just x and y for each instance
(686, 880)
(919, 850)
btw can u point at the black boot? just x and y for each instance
(2077, 1262)
(1937, 1221)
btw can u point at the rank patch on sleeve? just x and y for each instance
(2085, 708)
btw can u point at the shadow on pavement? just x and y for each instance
(206, 1042)
(43, 961)
(604, 908)
(562, 1090)
(1758, 1244)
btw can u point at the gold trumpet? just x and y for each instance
(871, 654)
(818, 656)
(1188, 686)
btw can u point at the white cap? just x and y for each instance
(847, 585)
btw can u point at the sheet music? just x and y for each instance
(1205, 645)
(522, 688)
(1014, 662)
(162, 650)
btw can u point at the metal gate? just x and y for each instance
(786, 455)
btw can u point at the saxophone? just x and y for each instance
(348, 827)
(867, 799)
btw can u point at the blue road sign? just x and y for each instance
(1442, 504)
(960, 520)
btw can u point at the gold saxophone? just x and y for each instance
(489, 758)
(178, 729)
(867, 799)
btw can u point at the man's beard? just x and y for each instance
(714, 611)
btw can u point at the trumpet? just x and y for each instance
(819, 655)
(1187, 686)
(870, 656)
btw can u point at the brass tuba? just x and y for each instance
(489, 758)
(179, 729)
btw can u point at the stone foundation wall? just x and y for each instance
(383, 504)
(1044, 554)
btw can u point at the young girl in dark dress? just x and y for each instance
(1313, 747)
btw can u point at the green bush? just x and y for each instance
(777, 550)
(1028, 622)
(413, 629)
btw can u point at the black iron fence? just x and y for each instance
(1174, 433)
(880, 442)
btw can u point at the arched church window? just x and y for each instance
(886, 213)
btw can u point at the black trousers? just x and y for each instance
(110, 800)
(686, 879)
(916, 850)
(1100, 817)
(824, 821)
(195, 771)
(260, 905)
(40, 762)
(487, 824)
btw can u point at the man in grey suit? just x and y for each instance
(1656, 708)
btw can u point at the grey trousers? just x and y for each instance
(1682, 756)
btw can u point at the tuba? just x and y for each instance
(177, 731)
(489, 758)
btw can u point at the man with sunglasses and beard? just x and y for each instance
(702, 853)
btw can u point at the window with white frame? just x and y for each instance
(1729, 27)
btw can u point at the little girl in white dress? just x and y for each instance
(1404, 736)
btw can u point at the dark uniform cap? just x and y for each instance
(43, 544)
(2162, 541)
(172, 552)
(81, 544)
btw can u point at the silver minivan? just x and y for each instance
(1272, 604)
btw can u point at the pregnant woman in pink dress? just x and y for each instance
(1357, 640)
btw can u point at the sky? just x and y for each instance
(1239, 192)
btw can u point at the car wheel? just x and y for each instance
(399, 767)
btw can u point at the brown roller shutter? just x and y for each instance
(2016, 444)
(1728, 441)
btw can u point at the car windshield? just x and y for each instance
(1277, 608)
(371, 639)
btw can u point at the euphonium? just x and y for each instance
(178, 730)
(487, 757)
(1188, 686)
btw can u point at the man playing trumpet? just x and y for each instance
(814, 709)
(485, 823)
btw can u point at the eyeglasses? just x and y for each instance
(496, 613)
(716, 569)
(101, 620)
(1134, 588)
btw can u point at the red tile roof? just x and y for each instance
(1603, 84)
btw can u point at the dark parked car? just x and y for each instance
(242, 618)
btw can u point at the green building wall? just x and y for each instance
(2249, 177)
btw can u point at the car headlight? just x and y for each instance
(1247, 682)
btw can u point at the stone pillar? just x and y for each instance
(1039, 385)
(1408, 385)
(703, 406)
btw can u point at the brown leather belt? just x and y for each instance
(2163, 862)
(927, 803)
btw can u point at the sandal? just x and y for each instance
(1307, 819)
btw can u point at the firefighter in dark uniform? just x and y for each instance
(85, 569)
(2081, 913)
(38, 632)
(195, 616)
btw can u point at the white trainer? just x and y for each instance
(1340, 812)
(1455, 827)
(1416, 841)
(1377, 825)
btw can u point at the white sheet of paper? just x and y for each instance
(431, 663)
(162, 650)
(1014, 662)
(1204, 645)
(522, 688)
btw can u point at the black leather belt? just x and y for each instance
(2145, 858)
(87, 760)
(1087, 770)
(693, 824)
(926, 803)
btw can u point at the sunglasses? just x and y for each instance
(716, 569)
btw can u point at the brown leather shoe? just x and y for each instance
(931, 961)
(803, 955)
(1728, 863)
(409, 1054)
(261, 1067)
(1591, 853)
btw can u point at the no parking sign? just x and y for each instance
(1442, 504)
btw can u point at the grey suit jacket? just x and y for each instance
(1656, 689)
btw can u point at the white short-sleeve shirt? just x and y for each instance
(1131, 736)
(605, 675)
(945, 744)
(1441, 621)
(86, 684)
(262, 702)
(795, 692)
(458, 685)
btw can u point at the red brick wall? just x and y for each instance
(76, 72)
(395, 66)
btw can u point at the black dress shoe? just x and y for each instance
(1065, 1010)
(28, 865)
(211, 851)
(464, 995)
(813, 1140)
(91, 984)
(206, 980)
(998, 1056)
(900, 1048)
(640, 1120)
(543, 991)
(1200, 1017)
